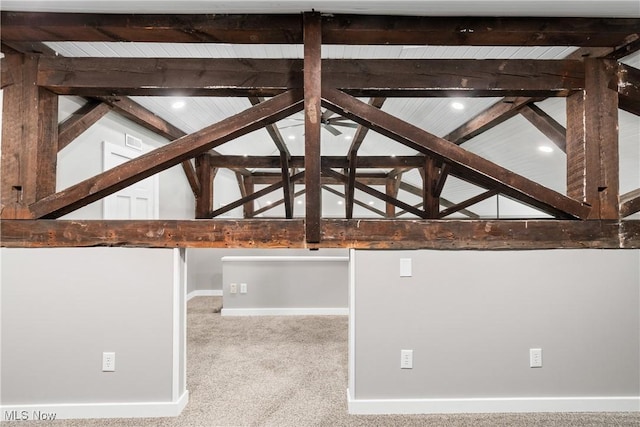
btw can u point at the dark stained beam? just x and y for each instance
(480, 234)
(29, 139)
(80, 121)
(470, 202)
(162, 158)
(253, 196)
(473, 167)
(175, 28)
(168, 76)
(246, 187)
(312, 30)
(546, 124)
(592, 141)
(337, 162)
(277, 139)
(206, 174)
(375, 193)
(412, 189)
(355, 201)
(430, 201)
(442, 180)
(477, 31)
(277, 203)
(358, 139)
(454, 77)
(336, 29)
(630, 203)
(337, 233)
(135, 112)
(498, 113)
(268, 178)
(5, 74)
(261, 77)
(625, 50)
(628, 87)
(391, 189)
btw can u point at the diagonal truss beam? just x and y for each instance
(358, 139)
(546, 124)
(277, 203)
(285, 156)
(162, 158)
(630, 203)
(356, 201)
(465, 163)
(470, 202)
(375, 193)
(80, 121)
(412, 189)
(255, 195)
(628, 87)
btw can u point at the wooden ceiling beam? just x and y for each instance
(469, 202)
(268, 77)
(336, 29)
(483, 172)
(277, 139)
(162, 158)
(81, 120)
(628, 86)
(336, 233)
(355, 201)
(412, 189)
(312, 30)
(545, 124)
(630, 203)
(336, 162)
(277, 203)
(356, 142)
(255, 195)
(375, 193)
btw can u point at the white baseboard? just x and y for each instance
(94, 410)
(204, 293)
(493, 405)
(337, 311)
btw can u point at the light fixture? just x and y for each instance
(393, 155)
(456, 105)
(545, 149)
(371, 202)
(347, 137)
(291, 137)
(340, 202)
(178, 105)
(299, 202)
(268, 202)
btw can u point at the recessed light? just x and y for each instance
(393, 155)
(371, 202)
(545, 149)
(178, 104)
(340, 202)
(348, 137)
(268, 202)
(457, 105)
(299, 202)
(291, 137)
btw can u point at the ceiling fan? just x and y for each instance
(327, 122)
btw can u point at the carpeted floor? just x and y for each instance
(292, 371)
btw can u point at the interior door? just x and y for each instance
(139, 200)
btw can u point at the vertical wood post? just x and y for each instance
(312, 114)
(206, 173)
(592, 142)
(29, 139)
(431, 201)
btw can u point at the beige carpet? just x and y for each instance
(292, 371)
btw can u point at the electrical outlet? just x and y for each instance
(406, 359)
(233, 288)
(535, 357)
(243, 288)
(108, 362)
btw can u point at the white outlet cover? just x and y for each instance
(405, 267)
(406, 359)
(108, 361)
(243, 288)
(535, 357)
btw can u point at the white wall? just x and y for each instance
(285, 285)
(471, 317)
(62, 308)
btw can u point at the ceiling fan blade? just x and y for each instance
(290, 126)
(332, 130)
(341, 121)
(326, 114)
